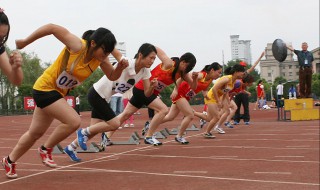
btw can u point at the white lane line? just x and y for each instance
(193, 176)
(95, 170)
(193, 172)
(223, 157)
(220, 158)
(276, 173)
(111, 159)
(300, 146)
(289, 156)
(272, 148)
(88, 161)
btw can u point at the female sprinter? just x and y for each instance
(218, 99)
(103, 119)
(76, 62)
(163, 75)
(185, 93)
(9, 65)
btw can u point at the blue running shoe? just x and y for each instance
(228, 124)
(236, 123)
(247, 123)
(72, 154)
(82, 140)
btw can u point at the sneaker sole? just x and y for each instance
(71, 158)
(49, 165)
(210, 137)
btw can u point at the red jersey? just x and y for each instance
(185, 91)
(164, 78)
(260, 92)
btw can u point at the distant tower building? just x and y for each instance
(240, 49)
(121, 46)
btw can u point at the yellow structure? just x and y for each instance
(301, 109)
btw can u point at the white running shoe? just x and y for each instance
(219, 130)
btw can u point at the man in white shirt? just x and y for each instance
(280, 91)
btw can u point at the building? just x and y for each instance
(270, 68)
(240, 49)
(121, 46)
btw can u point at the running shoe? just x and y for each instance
(46, 157)
(82, 140)
(126, 125)
(236, 123)
(146, 128)
(105, 141)
(209, 136)
(202, 123)
(228, 124)
(9, 168)
(181, 140)
(219, 130)
(152, 140)
(72, 154)
(247, 123)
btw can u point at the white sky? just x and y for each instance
(202, 27)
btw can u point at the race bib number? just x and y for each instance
(122, 87)
(67, 81)
(160, 86)
(190, 94)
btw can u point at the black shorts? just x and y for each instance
(44, 99)
(139, 99)
(100, 107)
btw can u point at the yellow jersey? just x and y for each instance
(220, 92)
(54, 77)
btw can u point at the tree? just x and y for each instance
(315, 87)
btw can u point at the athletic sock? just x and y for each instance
(85, 131)
(9, 161)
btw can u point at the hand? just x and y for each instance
(20, 44)
(123, 64)
(15, 59)
(206, 97)
(154, 83)
(174, 94)
(195, 75)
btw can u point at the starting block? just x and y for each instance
(174, 131)
(58, 149)
(165, 132)
(193, 128)
(133, 140)
(93, 148)
(159, 135)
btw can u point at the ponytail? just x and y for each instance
(215, 66)
(233, 69)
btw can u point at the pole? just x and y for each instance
(222, 61)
